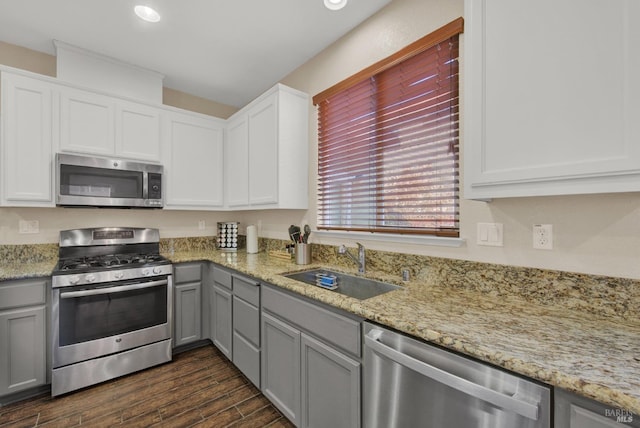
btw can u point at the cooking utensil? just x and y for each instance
(307, 232)
(294, 233)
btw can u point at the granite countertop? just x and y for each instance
(593, 356)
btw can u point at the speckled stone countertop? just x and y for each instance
(565, 343)
(591, 355)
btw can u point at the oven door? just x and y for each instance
(102, 319)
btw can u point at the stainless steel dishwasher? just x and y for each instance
(408, 383)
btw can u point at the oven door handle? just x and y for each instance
(109, 290)
(507, 402)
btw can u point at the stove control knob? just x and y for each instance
(157, 270)
(118, 275)
(146, 271)
(90, 277)
(74, 279)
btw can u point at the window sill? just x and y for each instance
(388, 237)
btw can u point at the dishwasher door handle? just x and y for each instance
(483, 393)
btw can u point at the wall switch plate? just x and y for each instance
(28, 226)
(543, 236)
(490, 234)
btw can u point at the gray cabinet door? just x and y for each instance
(22, 349)
(221, 326)
(575, 411)
(280, 372)
(187, 313)
(330, 387)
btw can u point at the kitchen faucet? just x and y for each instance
(360, 260)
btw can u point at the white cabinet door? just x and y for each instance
(236, 160)
(263, 152)
(86, 122)
(551, 97)
(137, 131)
(274, 164)
(193, 159)
(108, 126)
(26, 142)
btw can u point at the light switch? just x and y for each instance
(490, 234)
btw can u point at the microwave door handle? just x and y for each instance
(109, 290)
(483, 393)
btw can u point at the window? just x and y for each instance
(388, 143)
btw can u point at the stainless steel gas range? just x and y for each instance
(111, 306)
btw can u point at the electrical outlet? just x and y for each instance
(29, 226)
(201, 225)
(543, 236)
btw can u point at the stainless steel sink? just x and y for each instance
(349, 285)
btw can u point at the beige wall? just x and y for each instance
(596, 234)
(52, 220)
(42, 63)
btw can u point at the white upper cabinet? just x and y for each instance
(552, 97)
(236, 160)
(267, 152)
(193, 150)
(108, 126)
(264, 152)
(26, 141)
(137, 131)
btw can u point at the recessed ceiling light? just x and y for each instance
(335, 4)
(146, 13)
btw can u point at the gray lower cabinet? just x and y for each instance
(281, 366)
(573, 411)
(246, 327)
(311, 361)
(221, 310)
(330, 386)
(187, 303)
(23, 337)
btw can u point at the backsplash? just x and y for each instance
(601, 295)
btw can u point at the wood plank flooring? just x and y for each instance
(199, 388)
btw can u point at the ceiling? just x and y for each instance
(229, 51)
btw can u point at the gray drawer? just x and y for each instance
(222, 277)
(334, 328)
(26, 292)
(247, 358)
(246, 320)
(247, 289)
(187, 273)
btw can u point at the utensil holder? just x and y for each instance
(303, 254)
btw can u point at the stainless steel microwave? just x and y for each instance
(90, 181)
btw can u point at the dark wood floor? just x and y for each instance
(198, 388)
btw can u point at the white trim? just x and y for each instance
(388, 237)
